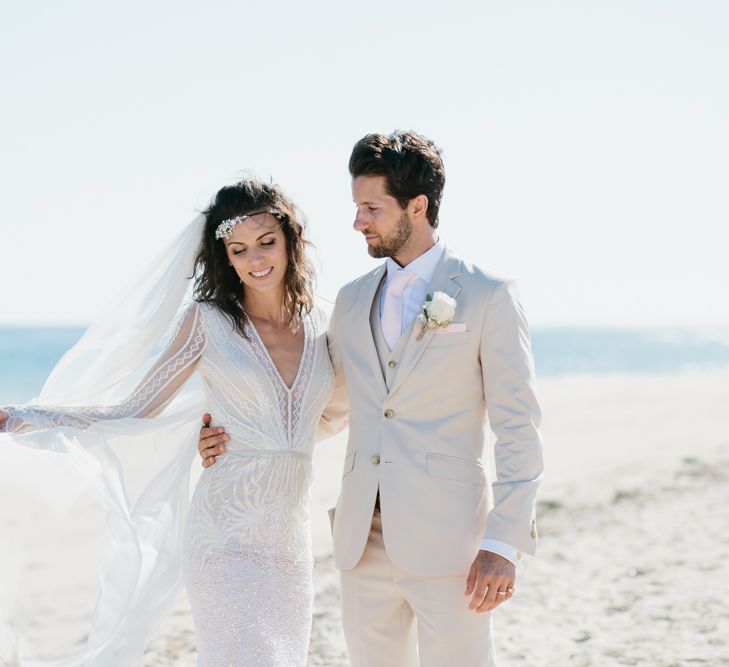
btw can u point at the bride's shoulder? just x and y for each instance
(200, 306)
(197, 313)
(191, 310)
(319, 316)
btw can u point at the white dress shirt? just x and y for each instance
(413, 297)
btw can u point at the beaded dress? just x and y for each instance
(248, 561)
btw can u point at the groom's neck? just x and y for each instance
(420, 242)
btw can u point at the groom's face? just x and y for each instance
(386, 226)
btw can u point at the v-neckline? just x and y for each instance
(288, 389)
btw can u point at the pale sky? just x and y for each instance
(586, 143)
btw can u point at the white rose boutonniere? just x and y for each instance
(438, 311)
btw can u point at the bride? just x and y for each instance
(258, 344)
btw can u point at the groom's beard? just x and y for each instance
(390, 246)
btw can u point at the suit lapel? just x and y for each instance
(445, 279)
(364, 308)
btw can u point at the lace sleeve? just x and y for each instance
(159, 386)
(335, 417)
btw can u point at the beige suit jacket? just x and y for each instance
(418, 433)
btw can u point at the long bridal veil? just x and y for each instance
(92, 519)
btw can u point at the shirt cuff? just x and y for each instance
(503, 549)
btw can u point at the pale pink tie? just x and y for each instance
(392, 308)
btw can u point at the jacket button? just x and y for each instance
(389, 413)
(376, 459)
(392, 364)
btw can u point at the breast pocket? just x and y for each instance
(449, 339)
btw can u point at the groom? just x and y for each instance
(428, 350)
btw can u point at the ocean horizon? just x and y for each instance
(28, 353)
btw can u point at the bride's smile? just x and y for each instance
(262, 274)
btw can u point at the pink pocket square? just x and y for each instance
(455, 327)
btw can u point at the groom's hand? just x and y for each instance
(490, 574)
(212, 442)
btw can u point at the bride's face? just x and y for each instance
(256, 249)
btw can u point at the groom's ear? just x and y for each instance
(418, 208)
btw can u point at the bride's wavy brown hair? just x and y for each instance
(217, 282)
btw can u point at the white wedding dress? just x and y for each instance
(248, 562)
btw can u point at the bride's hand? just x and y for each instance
(4, 416)
(211, 442)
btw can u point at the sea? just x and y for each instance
(27, 354)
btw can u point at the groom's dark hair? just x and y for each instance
(410, 163)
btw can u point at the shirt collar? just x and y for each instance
(422, 267)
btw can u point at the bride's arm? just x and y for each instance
(336, 414)
(159, 386)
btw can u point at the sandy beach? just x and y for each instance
(633, 562)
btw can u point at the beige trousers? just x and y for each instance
(396, 619)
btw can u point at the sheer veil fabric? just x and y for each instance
(128, 477)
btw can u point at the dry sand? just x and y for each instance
(633, 563)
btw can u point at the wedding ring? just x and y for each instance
(500, 592)
(510, 590)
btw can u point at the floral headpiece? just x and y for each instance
(225, 228)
